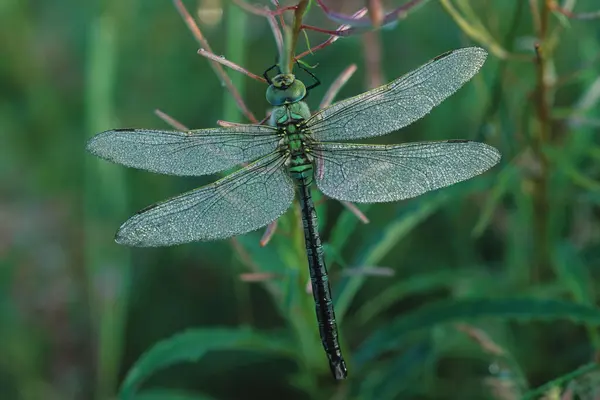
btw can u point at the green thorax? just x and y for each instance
(290, 112)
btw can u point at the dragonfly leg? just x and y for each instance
(316, 83)
(266, 73)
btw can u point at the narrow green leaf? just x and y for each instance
(168, 394)
(575, 276)
(475, 30)
(565, 164)
(236, 21)
(392, 380)
(105, 195)
(572, 272)
(406, 287)
(508, 177)
(399, 227)
(191, 345)
(536, 393)
(344, 227)
(468, 309)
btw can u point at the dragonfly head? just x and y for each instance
(285, 89)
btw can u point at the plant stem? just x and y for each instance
(107, 265)
(543, 137)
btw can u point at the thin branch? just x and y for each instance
(228, 124)
(355, 210)
(171, 121)
(369, 271)
(326, 43)
(337, 84)
(281, 20)
(399, 12)
(193, 27)
(252, 277)
(375, 12)
(542, 139)
(371, 42)
(247, 260)
(276, 33)
(270, 15)
(480, 337)
(266, 238)
(331, 38)
(535, 15)
(569, 14)
(263, 12)
(296, 28)
(222, 60)
(340, 33)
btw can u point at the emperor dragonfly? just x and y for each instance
(295, 150)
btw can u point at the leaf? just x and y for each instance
(474, 28)
(469, 309)
(170, 394)
(344, 227)
(406, 287)
(536, 393)
(395, 378)
(399, 227)
(573, 274)
(192, 345)
(508, 177)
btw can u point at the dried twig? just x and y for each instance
(171, 121)
(225, 80)
(399, 12)
(569, 14)
(222, 60)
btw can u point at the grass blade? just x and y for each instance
(469, 309)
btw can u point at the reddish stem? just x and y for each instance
(232, 65)
(171, 121)
(193, 27)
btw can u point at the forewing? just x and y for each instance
(399, 103)
(192, 153)
(373, 174)
(239, 203)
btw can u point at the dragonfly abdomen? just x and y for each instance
(319, 279)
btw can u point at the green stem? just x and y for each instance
(107, 265)
(297, 27)
(543, 138)
(236, 21)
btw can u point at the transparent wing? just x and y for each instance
(373, 173)
(399, 103)
(192, 153)
(239, 203)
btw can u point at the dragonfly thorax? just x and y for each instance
(285, 89)
(289, 114)
(295, 143)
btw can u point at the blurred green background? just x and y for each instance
(475, 266)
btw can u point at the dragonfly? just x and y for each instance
(294, 151)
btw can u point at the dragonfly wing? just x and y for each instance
(381, 173)
(399, 103)
(192, 153)
(239, 203)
